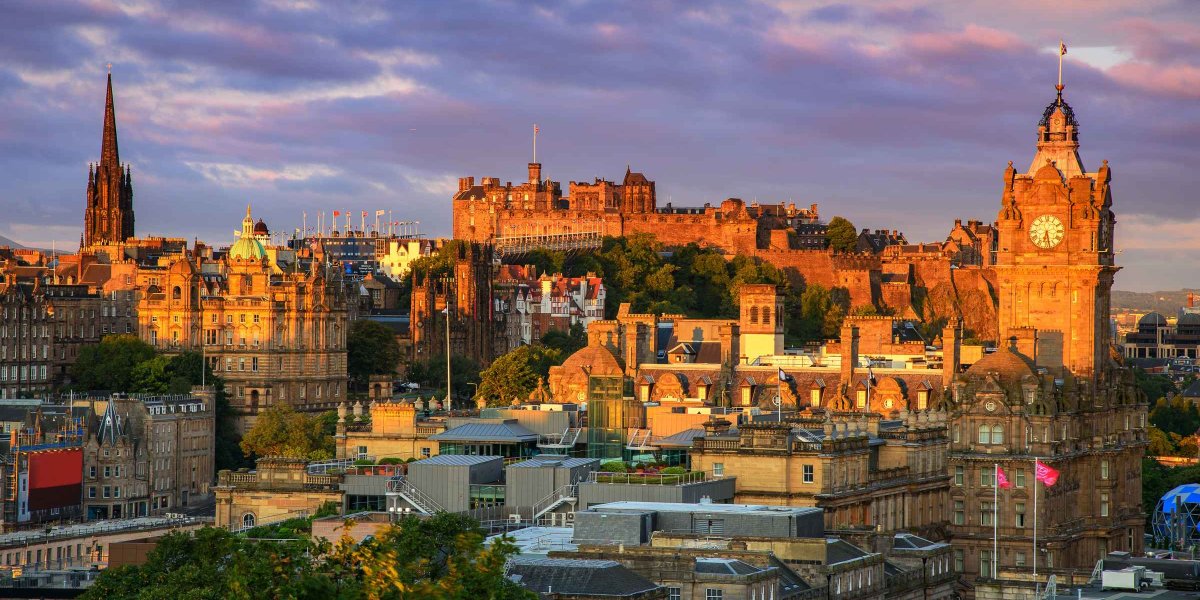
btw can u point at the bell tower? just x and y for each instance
(1054, 260)
(109, 215)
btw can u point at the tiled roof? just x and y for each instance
(725, 566)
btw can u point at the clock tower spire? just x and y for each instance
(1054, 262)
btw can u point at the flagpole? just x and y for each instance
(1035, 511)
(995, 518)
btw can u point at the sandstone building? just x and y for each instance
(109, 215)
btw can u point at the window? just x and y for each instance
(92, 492)
(814, 397)
(753, 315)
(991, 434)
(1019, 509)
(107, 492)
(1019, 478)
(718, 469)
(1020, 559)
(362, 451)
(985, 513)
(985, 434)
(424, 452)
(673, 593)
(958, 476)
(861, 400)
(959, 561)
(1104, 505)
(248, 520)
(997, 435)
(959, 513)
(985, 563)
(809, 475)
(712, 594)
(1104, 469)
(987, 477)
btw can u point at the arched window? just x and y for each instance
(754, 315)
(176, 293)
(997, 434)
(248, 520)
(766, 315)
(985, 434)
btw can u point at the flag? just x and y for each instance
(336, 213)
(364, 213)
(1062, 48)
(782, 376)
(380, 213)
(1045, 474)
(1002, 479)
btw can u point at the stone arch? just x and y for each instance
(249, 520)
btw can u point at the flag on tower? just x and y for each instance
(1062, 48)
(1002, 479)
(336, 213)
(1045, 474)
(782, 376)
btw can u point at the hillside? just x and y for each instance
(1165, 302)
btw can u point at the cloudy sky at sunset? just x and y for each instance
(897, 114)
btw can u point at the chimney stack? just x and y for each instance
(535, 173)
(849, 353)
(951, 351)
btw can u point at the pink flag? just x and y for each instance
(1002, 479)
(1046, 474)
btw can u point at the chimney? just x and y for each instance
(849, 353)
(535, 173)
(1024, 339)
(951, 351)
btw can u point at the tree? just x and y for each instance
(566, 342)
(281, 431)
(821, 313)
(432, 374)
(516, 374)
(109, 365)
(371, 349)
(841, 236)
(444, 556)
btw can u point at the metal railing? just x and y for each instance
(566, 494)
(402, 487)
(288, 516)
(648, 478)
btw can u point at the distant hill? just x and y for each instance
(10, 243)
(1165, 302)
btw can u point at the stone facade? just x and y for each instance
(273, 330)
(466, 295)
(386, 430)
(148, 456)
(279, 489)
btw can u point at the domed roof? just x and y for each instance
(1189, 319)
(260, 228)
(247, 248)
(1006, 363)
(1152, 319)
(595, 359)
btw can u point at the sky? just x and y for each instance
(897, 114)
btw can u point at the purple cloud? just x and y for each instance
(895, 114)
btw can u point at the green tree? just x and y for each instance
(441, 557)
(566, 342)
(821, 313)
(515, 375)
(432, 374)
(110, 364)
(841, 235)
(371, 349)
(281, 431)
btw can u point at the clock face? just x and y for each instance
(887, 403)
(1046, 231)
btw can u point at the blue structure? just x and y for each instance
(1176, 520)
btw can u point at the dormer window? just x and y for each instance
(922, 399)
(814, 397)
(860, 400)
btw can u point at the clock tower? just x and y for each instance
(1054, 259)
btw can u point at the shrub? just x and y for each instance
(674, 471)
(364, 462)
(391, 460)
(614, 466)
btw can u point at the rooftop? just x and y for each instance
(553, 460)
(577, 576)
(484, 431)
(725, 566)
(458, 460)
(703, 508)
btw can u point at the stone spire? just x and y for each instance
(109, 157)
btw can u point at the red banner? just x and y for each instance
(55, 478)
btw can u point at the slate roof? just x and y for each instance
(578, 576)
(725, 566)
(457, 460)
(839, 551)
(502, 432)
(1192, 391)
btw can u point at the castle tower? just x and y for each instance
(109, 215)
(761, 321)
(1054, 258)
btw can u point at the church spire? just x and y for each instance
(109, 156)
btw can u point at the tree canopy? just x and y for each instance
(841, 236)
(371, 349)
(281, 431)
(441, 557)
(516, 374)
(110, 365)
